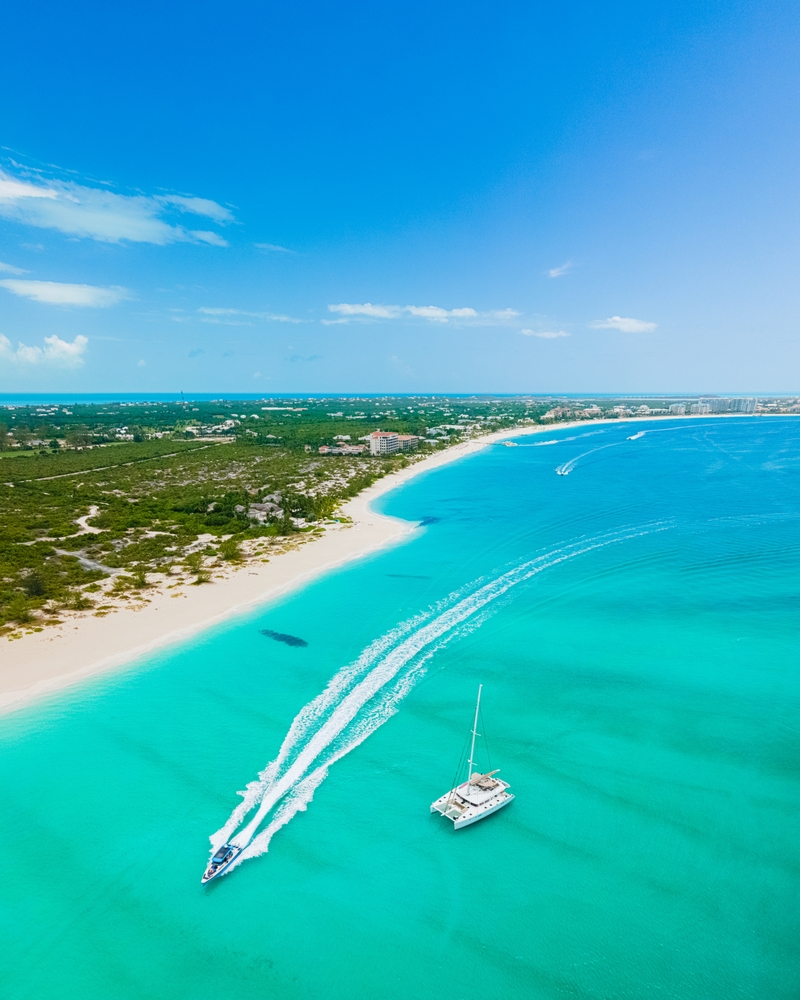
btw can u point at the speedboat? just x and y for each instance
(220, 861)
(477, 797)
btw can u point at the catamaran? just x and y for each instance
(477, 797)
(220, 861)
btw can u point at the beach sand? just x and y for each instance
(39, 663)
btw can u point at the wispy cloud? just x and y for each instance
(439, 315)
(56, 352)
(197, 206)
(274, 247)
(624, 323)
(366, 309)
(100, 214)
(10, 269)
(435, 314)
(545, 334)
(241, 317)
(57, 293)
(559, 272)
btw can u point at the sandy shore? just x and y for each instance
(40, 663)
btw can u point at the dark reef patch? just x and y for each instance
(428, 520)
(290, 640)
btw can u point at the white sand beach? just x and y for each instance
(39, 663)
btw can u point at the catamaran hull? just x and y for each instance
(469, 820)
(462, 814)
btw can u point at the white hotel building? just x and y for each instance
(387, 442)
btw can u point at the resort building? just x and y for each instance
(384, 442)
(343, 449)
(387, 442)
(741, 405)
(677, 409)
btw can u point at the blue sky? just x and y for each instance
(516, 197)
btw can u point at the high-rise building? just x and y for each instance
(727, 405)
(383, 442)
(677, 409)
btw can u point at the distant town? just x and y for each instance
(404, 423)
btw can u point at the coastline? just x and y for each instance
(42, 663)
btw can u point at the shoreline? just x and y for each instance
(42, 663)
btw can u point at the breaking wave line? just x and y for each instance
(360, 697)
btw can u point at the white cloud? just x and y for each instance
(141, 363)
(99, 214)
(12, 189)
(439, 315)
(624, 323)
(206, 236)
(10, 269)
(56, 352)
(436, 314)
(558, 272)
(274, 247)
(367, 309)
(197, 206)
(228, 317)
(58, 293)
(545, 334)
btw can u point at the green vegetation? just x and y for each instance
(105, 501)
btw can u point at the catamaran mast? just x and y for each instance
(471, 761)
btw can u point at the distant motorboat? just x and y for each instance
(220, 861)
(635, 437)
(477, 797)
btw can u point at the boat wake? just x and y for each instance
(366, 693)
(567, 467)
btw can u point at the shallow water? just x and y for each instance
(641, 695)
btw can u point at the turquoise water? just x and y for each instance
(635, 626)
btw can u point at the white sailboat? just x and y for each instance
(477, 797)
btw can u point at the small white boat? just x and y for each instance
(635, 437)
(221, 860)
(477, 797)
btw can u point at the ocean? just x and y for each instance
(634, 624)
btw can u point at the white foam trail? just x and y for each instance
(366, 693)
(310, 715)
(567, 467)
(573, 437)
